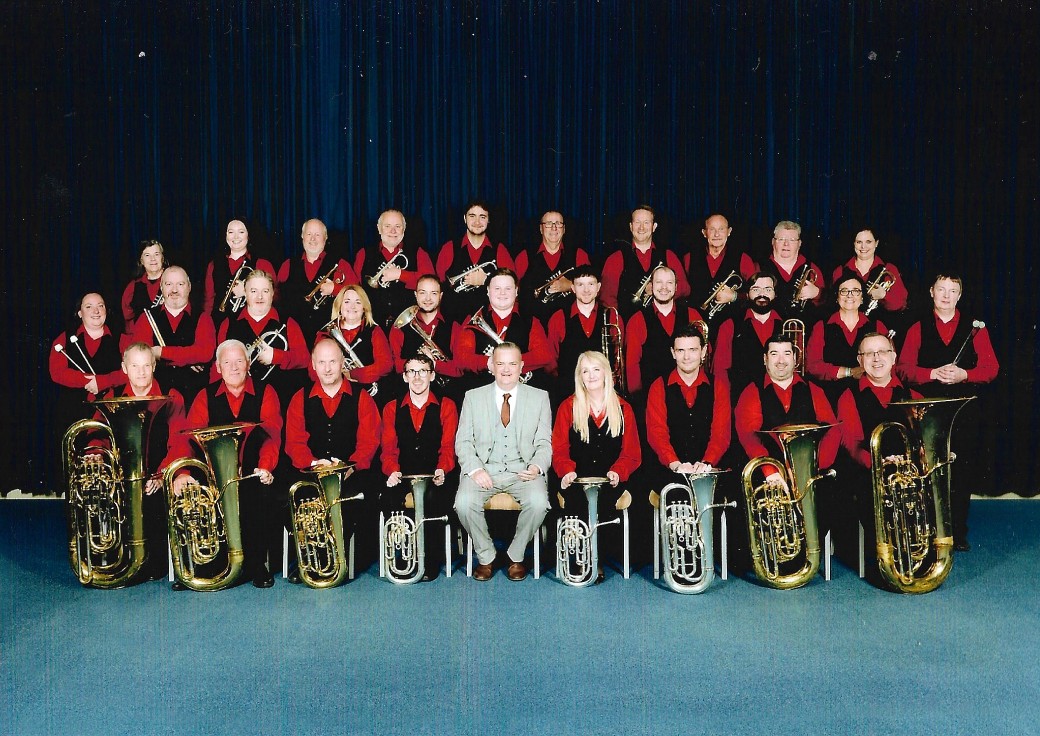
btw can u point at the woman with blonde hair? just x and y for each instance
(352, 315)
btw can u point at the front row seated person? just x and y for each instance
(504, 444)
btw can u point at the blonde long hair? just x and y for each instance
(582, 405)
(366, 304)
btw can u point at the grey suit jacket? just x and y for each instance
(480, 417)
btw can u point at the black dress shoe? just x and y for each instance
(600, 577)
(961, 545)
(178, 585)
(294, 577)
(262, 578)
(430, 574)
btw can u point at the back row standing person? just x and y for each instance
(720, 264)
(145, 289)
(548, 274)
(474, 255)
(789, 268)
(224, 294)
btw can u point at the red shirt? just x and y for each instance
(270, 419)
(552, 260)
(439, 322)
(896, 297)
(296, 356)
(178, 445)
(344, 273)
(558, 328)
(125, 303)
(382, 360)
(723, 358)
(615, 263)
(410, 277)
(985, 370)
(747, 265)
(210, 295)
(657, 434)
(391, 452)
(64, 374)
(853, 437)
(297, 437)
(538, 354)
(635, 338)
(628, 459)
(472, 255)
(199, 352)
(814, 362)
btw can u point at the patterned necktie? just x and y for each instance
(505, 410)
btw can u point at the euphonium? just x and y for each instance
(794, 329)
(317, 520)
(687, 532)
(884, 280)
(912, 495)
(375, 281)
(577, 543)
(710, 305)
(785, 540)
(458, 281)
(105, 490)
(403, 539)
(204, 519)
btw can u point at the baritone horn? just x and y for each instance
(403, 541)
(204, 521)
(577, 542)
(317, 520)
(105, 491)
(458, 281)
(407, 317)
(712, 307)
(375, 281)
(686, 528)
(912, 495)
(782, 528)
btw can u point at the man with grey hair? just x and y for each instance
(390, 269)
(790, 269)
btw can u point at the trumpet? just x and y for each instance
(612, 345)
(403, 543)
(315, 295)
(543, 294)
(884, 280)
(375, 281)
(711, 306)
(795, 330)
(458, 282)
(318, 525)
(407, 317)
(807, 276)
(478, 322)
(577, 543)
(239, 301)
(686, 528)
(645, 293)
(268, 339)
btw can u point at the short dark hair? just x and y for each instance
(778, 338)
(760, 275)
(504, 272)
(648, 208)
(422, 358)
(690, 330)
(476, 203)
(430, 277)
(584, 271)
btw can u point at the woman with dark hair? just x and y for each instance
(225, 294)
(144, 291)
(887, 290)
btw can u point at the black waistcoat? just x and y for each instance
(785, 290)
(802, 410)
(220, 414)
(107, 359)
(575, 343)
(747, 352)
(459, 306)
(538, 273)
(934, 352)
(140, 300)
(836, 350)
(595, 457)
(221, 281)
(657, 357)
(519, 332)
(334, 436)
(689, 428)
(180, 377)
(412, 341)
(633, 274)
(362, 345)
(702, 282)
(418, 450)
(871, 414)
(390, 300)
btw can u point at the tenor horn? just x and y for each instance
(577, 542)
(480, 324)
(782, 528)
(317, 520)
(403, 539)
(407, 318)
(912, 495)
(686, 525)
(204, 522)
(105, 491)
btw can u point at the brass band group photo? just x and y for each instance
(707, 409)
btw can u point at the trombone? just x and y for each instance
(458, 282)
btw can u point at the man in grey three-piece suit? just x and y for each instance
(504, 444)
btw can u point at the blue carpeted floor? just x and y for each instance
(456, 656)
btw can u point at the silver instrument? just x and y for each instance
(375, 281)
(645, 292)
(269, 338)
(351, 360)
(458, 282)
(478, 322)
(403, 541)
(577, 543)
(687, 536)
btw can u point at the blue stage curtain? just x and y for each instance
(127, 120)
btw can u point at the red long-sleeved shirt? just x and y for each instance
(472, 256)
(128, 295)
(410, 278)
(635, 337)
(628, 459)
(178, 445)
(552, 260)
(814, 362)
(657, 434)
(297, 437)
(296, 356)
(538, 353)
(853, 436)
(449, 414)
(270, 419)
(615, 263)
(985, 370)
(382, 359)
(199, 352)
(558, 329)
(723, 358)
(439, 322)
(747, 264)
(790, 276)
(210, 295)
(897, 294)
(343, 276)
(62, 372)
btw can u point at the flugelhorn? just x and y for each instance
(912, 495)
(105, 491)
(239, 301)
(807, 276)
(710, 305)
(267, 339)
(686, 529)
(317, 520)
(543, 294)
(458, 282)
(645, 292)
(884, 280)
(478, 322)
(577, 543)
(375, 281)
(315, 295)
(782, 528)
(204, 521)
(402, 538)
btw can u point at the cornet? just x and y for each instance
(458, 282)
(884, 280)
(807, 276)
(315, 294)
(710, 305)
(375, 281)
(239, 301)
(543, 294)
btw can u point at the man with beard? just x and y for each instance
(741, 338)
(551, 261)
(628, 267)
(406, 341)
(182, 342)
(466, 296)
(387, 276)
(787, 265)
(718, 261)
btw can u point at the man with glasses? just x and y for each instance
(549, 271)
(741, 338)
(719, 260)
(419, 438)
(789, 267)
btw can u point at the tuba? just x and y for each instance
(577, 543)
(784, 538)
(402, 538)
(105, 490)
(912, 495)
(686, 527)
(205, 531)
(318, 525)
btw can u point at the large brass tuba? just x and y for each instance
(577, 543)
(105, 490)
(784, 538)
(403, 539)
(912, 495)
(321, 550)
(687, 531)
(205, 531)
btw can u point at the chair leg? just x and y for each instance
(169, 556)
(350, 557)
(382, 541)
(827, 556)
(285, 553)
(447, 549)
(657, 546)
(537, 553)
(724, 541)
(469, 556)
(626, 562)
(862, 551)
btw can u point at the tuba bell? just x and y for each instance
(577, 543)
(205, 531)
(912, 495)
(687, 531)
(403, 539)
(105, 490)
(317, 520)
(782, 529)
